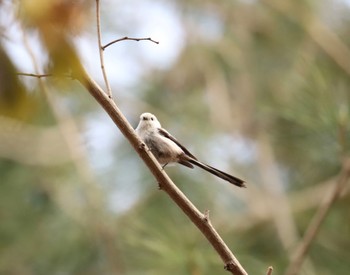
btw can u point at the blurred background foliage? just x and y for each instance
(258, 88)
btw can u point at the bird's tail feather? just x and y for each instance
(234, 180)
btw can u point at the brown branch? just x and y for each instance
(315, 224)
(165, 183)
(201, 221)
(100, 49)
(129, 38)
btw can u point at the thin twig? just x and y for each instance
(201, 221)
(269, 270)
(129, 38)
(35, 75)
(100, 49)
(315, 224)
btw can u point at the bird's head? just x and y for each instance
(148, 120)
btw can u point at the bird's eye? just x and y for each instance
(151, 118)
(144, 118)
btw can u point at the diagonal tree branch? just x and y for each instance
(165, 183)
(200, 220)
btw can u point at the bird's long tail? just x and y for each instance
(234, 180)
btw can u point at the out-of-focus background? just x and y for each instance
(257, 88)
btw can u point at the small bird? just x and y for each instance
(167, 149)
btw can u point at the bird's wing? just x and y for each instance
(166, 134)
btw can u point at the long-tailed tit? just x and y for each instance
(167, 149)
